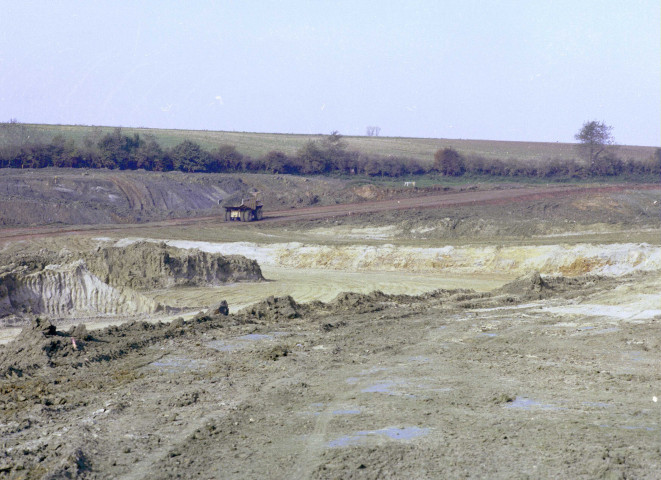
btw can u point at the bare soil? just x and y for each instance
(552, 375)
(414, 204)
(450, 384)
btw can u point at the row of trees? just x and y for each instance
(450, 163)
(115, 150)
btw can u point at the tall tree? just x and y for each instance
(594, 138)
(373, 131)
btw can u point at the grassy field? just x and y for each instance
(258, 144)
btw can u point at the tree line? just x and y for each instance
(330, 155)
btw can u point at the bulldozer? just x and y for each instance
(248, 211)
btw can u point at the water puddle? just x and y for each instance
(355, 380)
(419, 359)
(384, 387)
(174, 364)
(255, 337)
(526, 403)
(607, 330)
(392, 433)
(508, 307)
(428, 388)
(397, 387)
(592, 329)
(629, 312)
(387, 388)
(634, 356)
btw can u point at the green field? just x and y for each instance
(258, 144)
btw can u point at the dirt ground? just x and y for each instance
(524, 345)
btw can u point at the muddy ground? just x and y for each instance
(520, 375)
(447, 385)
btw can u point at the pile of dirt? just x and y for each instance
(532, 283)
(38, 346)
(534, 286)
(147, 265)
(41, 345)
(95, 196)
(274, 309)
(364, 303)
(80, 197)
(522, 219)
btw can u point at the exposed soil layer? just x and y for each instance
(82, 197)
(445, 211)
(146, 265)
(521, 213)
(449, 384)
(108, 280)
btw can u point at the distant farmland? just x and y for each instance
(258, 144)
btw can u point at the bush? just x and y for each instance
(189, 157)
(449, 162)
(607, 166)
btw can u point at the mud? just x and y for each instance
(366, 386)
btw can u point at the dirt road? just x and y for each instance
(471, 197)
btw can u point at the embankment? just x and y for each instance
(108, 280)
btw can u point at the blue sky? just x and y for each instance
(499, 70)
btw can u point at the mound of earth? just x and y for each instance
(91, 197)
(41, 345)
(109, 280)
(70, 289)
(527, 284)
(274, 309)
(148, 265)
(87, 197)
(36, 347)
(534, 286)
(575, 213)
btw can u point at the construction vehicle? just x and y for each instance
(248, 211)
